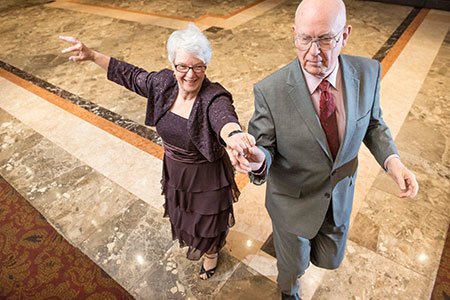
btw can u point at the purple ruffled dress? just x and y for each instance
(199, 194)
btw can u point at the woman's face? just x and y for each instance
(189, 72)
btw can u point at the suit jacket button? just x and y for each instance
(332, 173)
(327, 195)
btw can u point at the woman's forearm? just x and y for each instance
(101, 60)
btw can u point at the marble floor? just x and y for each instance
(74, 145)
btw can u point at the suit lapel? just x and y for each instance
(299, 94)
(350, 83)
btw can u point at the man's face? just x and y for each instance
(319, 43)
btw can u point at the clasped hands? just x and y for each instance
(244, 155)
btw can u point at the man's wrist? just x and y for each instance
(260, 170)
(388, 160)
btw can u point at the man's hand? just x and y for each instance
(404, 178)
(251, 161)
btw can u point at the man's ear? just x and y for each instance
(345, 35)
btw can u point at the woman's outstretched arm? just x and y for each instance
(83, 53)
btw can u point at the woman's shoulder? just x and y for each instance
(165, 74)
(213, 90)
(164, 78)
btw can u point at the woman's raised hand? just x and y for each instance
(241, 142)
(82, 52)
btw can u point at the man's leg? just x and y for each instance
(328, 246)
(292, 259)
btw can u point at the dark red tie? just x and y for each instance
(328, 117)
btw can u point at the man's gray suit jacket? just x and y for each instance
(302, 177)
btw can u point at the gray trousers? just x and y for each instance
(325, 250)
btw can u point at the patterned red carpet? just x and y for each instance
(441, 288)
(38, 263)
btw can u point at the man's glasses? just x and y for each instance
(184, 69)
(324, 43)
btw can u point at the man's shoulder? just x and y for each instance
(279, 75)
(362, 67)
(359, 61)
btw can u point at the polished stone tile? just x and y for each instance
(404, 80)
(131, 243)
(367, 275)
(246, 284)
(9, 5)
(126, 165)
(252, 219)
(424, 137)
(364, 232)
(433, 178)
(34, 161)
(78, 202)
(175, 277)
(409, 234)
(242, 246)
(39, 53)
(177, 8)
(11, 132)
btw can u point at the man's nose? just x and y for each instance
(315, 48)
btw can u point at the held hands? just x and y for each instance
(404, 178)
(241, 142)
(83, 53)
(244, 155)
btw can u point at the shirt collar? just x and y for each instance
(313, 82)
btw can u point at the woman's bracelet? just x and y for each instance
(234, 132)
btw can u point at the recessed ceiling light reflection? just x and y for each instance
(249, 243)
(140, 259)
(422, 257)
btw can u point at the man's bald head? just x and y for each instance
(320, 33)
(330, 12)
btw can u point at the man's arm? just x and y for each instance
(378, 140)
(262, 127)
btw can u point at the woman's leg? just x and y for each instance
(209, 265)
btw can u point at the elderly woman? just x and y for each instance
(195, 119)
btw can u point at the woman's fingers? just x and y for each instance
(77, 47)
(251, 139)
(75, 58)
(69, 39)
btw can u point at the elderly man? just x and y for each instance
(310, 119)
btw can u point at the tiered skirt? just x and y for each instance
(199, 201)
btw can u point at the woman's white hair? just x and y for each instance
(190, 40)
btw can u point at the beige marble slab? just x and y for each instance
(402, 83)
(169, 22)
(129, 167)
(366, 275)
(120, 14)
(400, 87)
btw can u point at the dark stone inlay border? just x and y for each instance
(384, 50)
(214, 29)
(9, 6)
(268, 246)
(113, 117)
